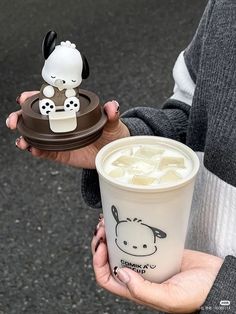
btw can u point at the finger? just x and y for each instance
(50, 155)
(62, 157)
(25, 95)
(45, 154)
(12, 119)
(99, 235)
(156, 295)
(103, 273)
(194, 259)
(112, 110)
(100, 224)
(21, 143)
(189, 260)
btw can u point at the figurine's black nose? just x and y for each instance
(63, 82)
(135, 247)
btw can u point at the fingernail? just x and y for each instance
(115, 270)
(17, 99)
(117, 106)
(98, 225)
(97, 244)
(7, 122)
(122, 275)
(17, 141)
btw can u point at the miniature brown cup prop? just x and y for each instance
(61, 130)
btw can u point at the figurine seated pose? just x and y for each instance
(61, 117)
(63, 71)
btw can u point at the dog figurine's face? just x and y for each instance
(64, 65)
(63, 68)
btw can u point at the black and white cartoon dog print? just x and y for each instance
(63, 71)
(134, 237)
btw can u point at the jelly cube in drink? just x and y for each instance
(141, 166)
(117, 172)
(170, 176)
(149, 152)
(142, 180)
(171, 162)
(124, 161)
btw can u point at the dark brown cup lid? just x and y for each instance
(52, 133)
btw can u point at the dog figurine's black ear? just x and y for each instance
(85, 71)
(49, 44)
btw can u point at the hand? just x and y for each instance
(183, 293)
(83, 157)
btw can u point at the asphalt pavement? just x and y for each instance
(45, 226)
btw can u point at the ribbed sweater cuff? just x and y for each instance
(177, 114)
(171, 121)
(224, 289)
(136, 126)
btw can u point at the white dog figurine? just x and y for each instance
(63, 71)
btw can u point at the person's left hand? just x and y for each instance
(83, 157)
(183, 293)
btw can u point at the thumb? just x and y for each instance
(112, 110)
(25, 95)
(143, 290)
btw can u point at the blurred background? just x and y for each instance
(45, 226)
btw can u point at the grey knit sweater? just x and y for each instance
(202, 114)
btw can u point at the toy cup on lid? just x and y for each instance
(62, 116)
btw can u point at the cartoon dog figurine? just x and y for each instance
(63, 71)
(135, 237)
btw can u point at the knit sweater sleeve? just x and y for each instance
(222, 296)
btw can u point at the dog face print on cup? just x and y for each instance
(134, 237)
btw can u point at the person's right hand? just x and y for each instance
(185, 292)
(83, 157)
